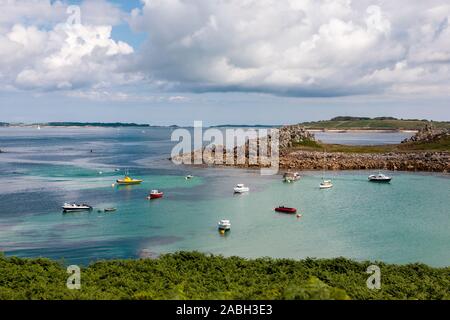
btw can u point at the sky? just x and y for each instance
(167, 62)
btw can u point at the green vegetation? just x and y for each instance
(192, 275)
(379, 123)
(309, 144)
(442, 144)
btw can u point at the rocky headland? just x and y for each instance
(299, 150)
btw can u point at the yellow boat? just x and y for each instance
(128, 180)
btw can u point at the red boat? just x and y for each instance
(285, 209)
(155, 194)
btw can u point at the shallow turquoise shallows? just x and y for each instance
(405, 221)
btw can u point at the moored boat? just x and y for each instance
(284, 209)
(188, 177)
(379, 178)
(71, 207)
(155, 194)
(224, 225)
(128, 181)
(291, 176)
(326, 184)
(240, 188)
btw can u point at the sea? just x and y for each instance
(406, 221)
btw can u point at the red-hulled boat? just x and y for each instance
(285, 209)
(155, 194)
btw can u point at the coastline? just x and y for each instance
(358, 130)
(427, 150)
(362, 130)
(426, 161)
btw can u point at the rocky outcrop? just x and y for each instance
(289, 158)
(293, 134)
(428, 134)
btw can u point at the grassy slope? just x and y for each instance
(373, 124)
(197, 276)
(438, 145)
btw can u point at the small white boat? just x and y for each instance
(76, 207)
(240, 188)
(224, 225)
(326, 184)
(189, 177)
(379, 178)
(291, 176)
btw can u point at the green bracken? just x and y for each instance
(193, 275)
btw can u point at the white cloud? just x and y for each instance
(284, 47)
(61, 55)
(287, 47)
(65, 57)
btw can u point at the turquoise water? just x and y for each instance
(405, 221)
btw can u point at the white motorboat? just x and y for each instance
(224, 225)
(76, 207)
(326, 184)
(291, 176)
(240, 188)
(188, 177)
(379, 178)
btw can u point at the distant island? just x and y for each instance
(378, 123)
(75, 124)
(336, 123)
(92, 124)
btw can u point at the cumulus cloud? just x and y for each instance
(35, 55)
(300, 48)
(283, 47)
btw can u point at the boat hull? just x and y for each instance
(76, 209)
(224, 225)
(291, 178)
(128, 182)
(155, 196)
(286, 210)
(381, 180)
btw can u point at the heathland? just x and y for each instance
(192, 275)
(365, 123)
